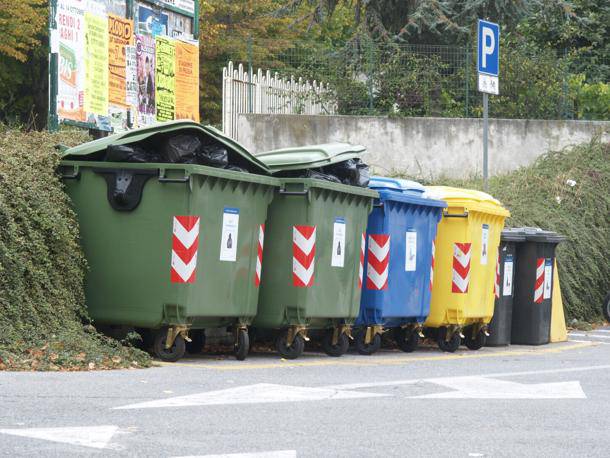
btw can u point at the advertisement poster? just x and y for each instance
(131, 80)
(152, 22)
(145, 54)
(96, 64)
(187, 81)
(71, 81)
(120, 33)
(186, 5)
(166, 78)
(180, 26)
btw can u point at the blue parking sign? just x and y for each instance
(488, 39)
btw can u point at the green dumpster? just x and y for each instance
(313, 257)
(172, 248)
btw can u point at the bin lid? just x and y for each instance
(137, 135)
(535, 234)
(511, 234)
(470, 199)
(309, 157)
(403, 190)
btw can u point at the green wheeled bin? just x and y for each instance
(172, 248)
(312, 276)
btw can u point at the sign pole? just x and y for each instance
(485, 138)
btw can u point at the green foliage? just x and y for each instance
(541, 196)
(592, 101)
(42, 267)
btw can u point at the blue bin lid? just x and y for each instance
(406, 191)
(397, 185)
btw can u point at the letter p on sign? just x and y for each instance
(488, 39)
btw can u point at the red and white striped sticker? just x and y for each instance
(378, 265)
(185, 242)
(303, 255)
(259, 255)
(539, 285)
(361, 267)
(497, 282)
(432, 265)
(461, 267)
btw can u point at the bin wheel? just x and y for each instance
(290, 352)
(606, 308)
(170, 355)
(195, 346)
(407, 340)
(450, 345)
(335, 350)
(242, 346)
(477, 343)
(371, 347)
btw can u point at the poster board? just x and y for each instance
(122, 64)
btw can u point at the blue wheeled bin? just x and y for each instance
(396, 283)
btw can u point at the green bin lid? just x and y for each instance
(137, 135)
(534, 234)
(309, 157)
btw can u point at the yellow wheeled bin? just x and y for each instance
(464, 267)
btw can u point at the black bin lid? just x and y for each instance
(531, 234)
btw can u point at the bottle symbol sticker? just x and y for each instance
(338, 248)
(228, 240)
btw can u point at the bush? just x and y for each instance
(43, 319)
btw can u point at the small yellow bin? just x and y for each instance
(465, 262)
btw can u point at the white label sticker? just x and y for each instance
(338, 254)
(507, 284)
(484, 244)
(228, 240)
(548, 278)
(411, 251)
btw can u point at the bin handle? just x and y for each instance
(164, 179)
(283, 192)
(74, 175)
(446, 214)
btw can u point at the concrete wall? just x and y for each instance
(424, 147)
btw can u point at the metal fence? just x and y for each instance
(244, 91)
(364, 78)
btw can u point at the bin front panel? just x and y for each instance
(411, 230)
(322, 288)
(500, 325)
(465, 268)
(161, 262)
(532, 304)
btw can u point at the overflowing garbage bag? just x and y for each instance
(183, 148)
(352, 172)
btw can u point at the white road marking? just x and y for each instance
(355, 386)
(588, 341)
(271, 454)
(488, 388)
(590, 335)
(86, 436)
(253, 394)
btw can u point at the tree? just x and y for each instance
(21, 24)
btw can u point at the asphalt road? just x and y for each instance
(519, 401)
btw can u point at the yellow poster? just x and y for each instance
(187, 81)
(166, 78)
(120, 35)
(96, 64)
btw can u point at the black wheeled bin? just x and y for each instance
(531, 323)
(500, 325)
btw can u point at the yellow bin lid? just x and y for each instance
(470, 199)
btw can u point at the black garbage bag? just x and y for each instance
(352, 172)
(181, 148)
(130, 153)
(235, 168)
(364, 174)
(213, 156)
(319, 176)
